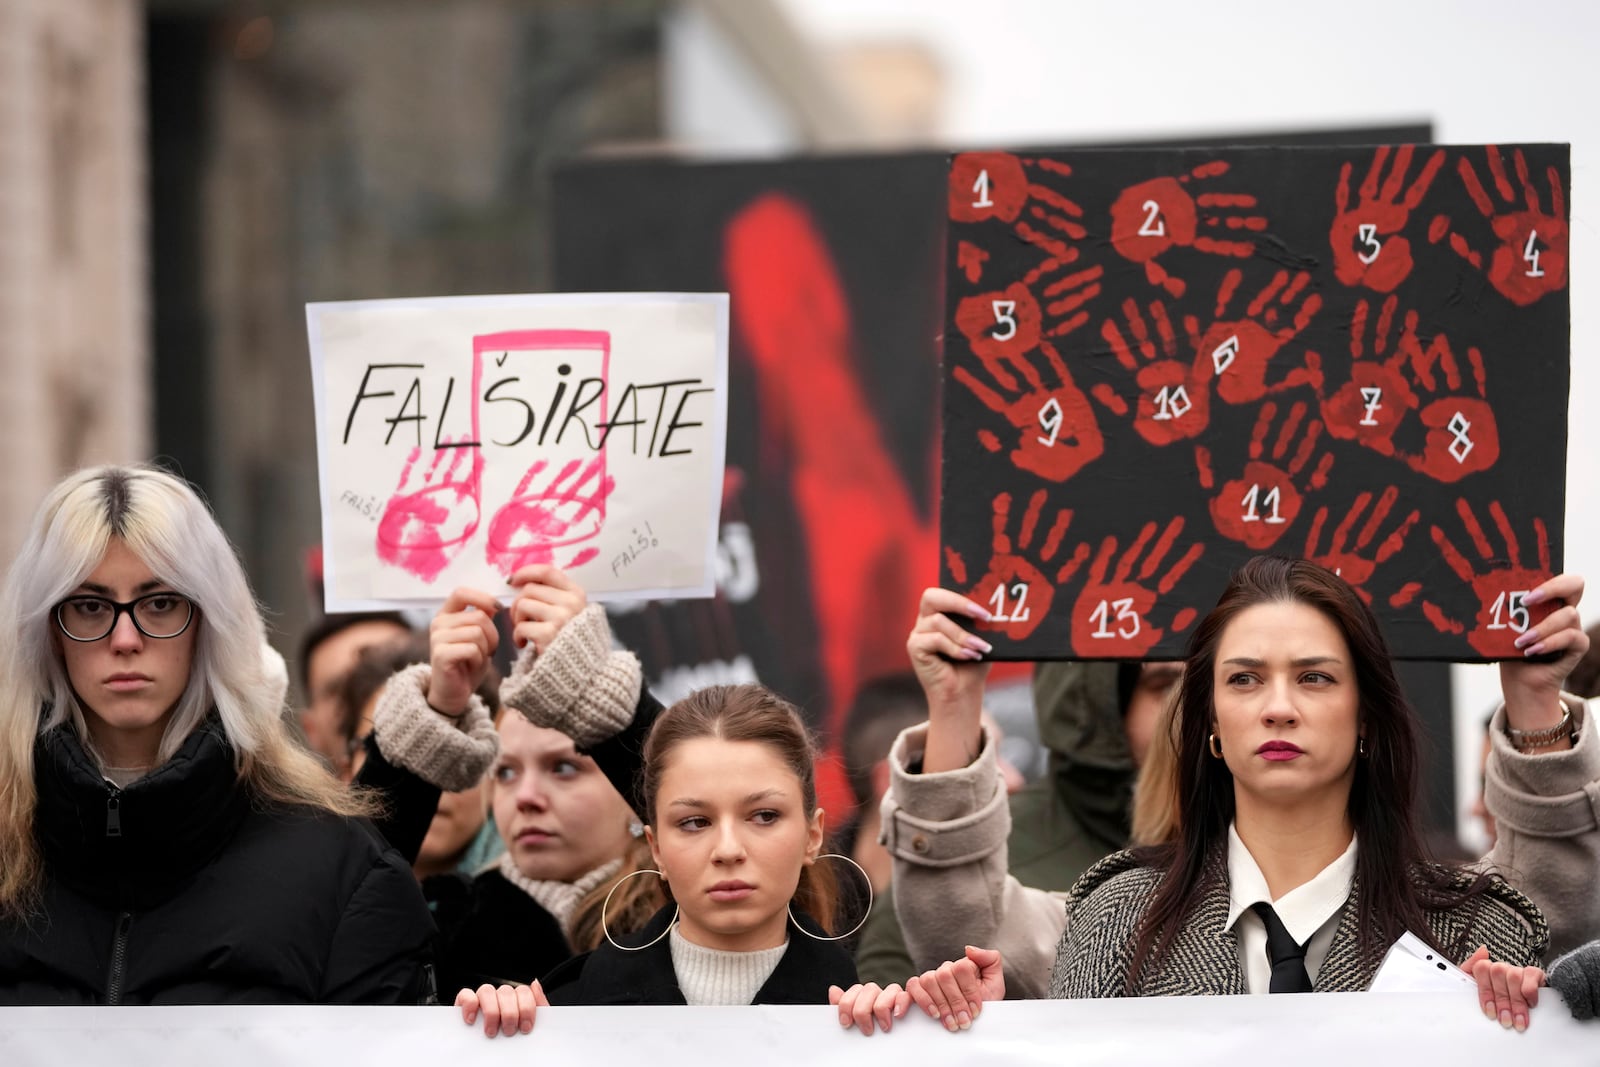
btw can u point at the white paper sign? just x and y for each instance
(1309, 1030)
(459, 438)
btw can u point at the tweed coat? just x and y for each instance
(1095, 953)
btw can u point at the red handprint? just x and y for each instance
(1237, 352)
(1259, 505)
(568, 510)
(1531, 258)
(426, 527)
(1353, 564)
(1368, 248)
(1462, 436)
(1003, 187)
(1010, 321)
(1057, 435)
(1174, 398)
(1111, 617)
(1017, 590)
(1149, 218)
(1370, 407)
(1499, 592)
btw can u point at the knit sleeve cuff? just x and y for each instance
(948, 818)
(578, 685)
(453, 754)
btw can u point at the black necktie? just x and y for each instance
(1288, 959)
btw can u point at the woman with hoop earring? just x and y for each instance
(729, 800)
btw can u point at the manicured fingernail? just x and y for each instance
(971, 653)
(1533, 650)
(1522, 639)
(1533, 596)
(1521, 1023)
(964, 1021)
(974, 641)
(979, 612)
(1505, 1019)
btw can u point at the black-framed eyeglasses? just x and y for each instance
(157, 615)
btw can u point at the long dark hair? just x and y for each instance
(1397, 883)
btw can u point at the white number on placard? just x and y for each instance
(1267, 502)
(1125, 617)
(1460, 443)
(981, 187)
(1371, 394)
(1172, 403)
(1050, 420)
(1019, 607)
(1222, 355)
(1153, 226)
(1004, 319)
(1514, 612)
(1368, 234)
(1531, 253)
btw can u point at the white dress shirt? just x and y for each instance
(1309, 912)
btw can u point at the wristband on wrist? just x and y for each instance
(1522, 740)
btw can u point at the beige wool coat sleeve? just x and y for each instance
(947, 834)
(1547, 817)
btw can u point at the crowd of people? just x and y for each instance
(1244, 821)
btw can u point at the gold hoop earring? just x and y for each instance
(1216, 746)
(605, 929)
(864, 915)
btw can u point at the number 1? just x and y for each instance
(981, 187)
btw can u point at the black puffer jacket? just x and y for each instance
(182, 890)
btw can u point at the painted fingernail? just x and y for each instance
(1533, 596)
(979, 612)
(1533, 650)
(974, 641)
(1522, 639)
(1505, 1019)
(971, 653)
(964, 1021)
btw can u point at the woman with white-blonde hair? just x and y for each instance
(165, 838)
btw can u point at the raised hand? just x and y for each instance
(1263, 501)
(567, 509)
(954, 993)
(1149, 218)
(1057, 434)
(461, 640)
(1530, 259)
(862, 1005)
(1368, 246)
(507, 1010)
(547, 599)
(1112, 614)
(950, 667)
(434, 512)
(1174, 396)
(1356, 562)
(1017, 589)
(1552, 648)
(1238, 352)
(1502, 589)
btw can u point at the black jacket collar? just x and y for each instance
(609, 975)
(132, 848)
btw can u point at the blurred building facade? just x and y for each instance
(74, 343)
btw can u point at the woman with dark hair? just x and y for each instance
(731, 816)
(1298, 862)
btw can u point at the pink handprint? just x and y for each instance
(426, 527)
(567, 510)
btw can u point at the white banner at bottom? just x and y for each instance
(1315, 1030)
